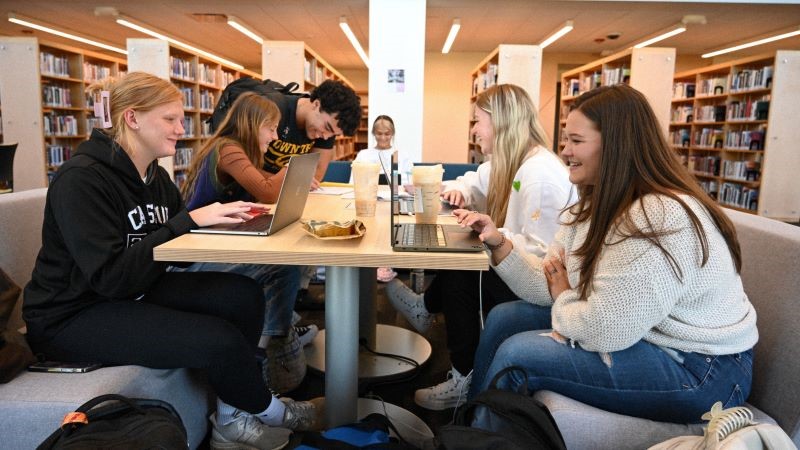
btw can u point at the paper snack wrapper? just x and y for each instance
(324, 229)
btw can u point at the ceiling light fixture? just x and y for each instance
(451, 36)
(565, 28)
(24, 21)
(130, 23)
(236, 23)
(353, 40)
(753, 43)
(676, 29)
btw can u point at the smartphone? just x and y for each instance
(63, 367)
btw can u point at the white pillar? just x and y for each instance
(397, 69)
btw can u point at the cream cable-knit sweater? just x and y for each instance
(540, 191)
(635, 294)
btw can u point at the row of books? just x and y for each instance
(682, 114)
(205, 129)
(709, 137)
(738, 195)
(181, 68)
(188, 97)
(682, 89)
(55, 95)
(745, 140)
(188, 126)
(616, 76)
(710, 113)
(94, 72)
(50, 64)
(313, 73)
(207, 100)
(748, 79)
(58, 154)
(749, 109)
(485, 80)
(183, 157)
(741, 170)
(207, 74)
(58, 125)
(713, 86)
(708, 165)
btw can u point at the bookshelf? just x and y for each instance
(201, 81)
(363, 132)
(515, 64)
(294, 61)
(649, 70)
(42, 85)
(723, 129)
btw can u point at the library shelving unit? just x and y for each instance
(650, 70)
(515, 64)
(294, 61)
(42, 85)
(201, 80)
(734, 127)
(363, 132)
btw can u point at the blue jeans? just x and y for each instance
(279, 282)
(643, 380)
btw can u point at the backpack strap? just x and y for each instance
(523, 388)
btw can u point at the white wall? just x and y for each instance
(397, 41)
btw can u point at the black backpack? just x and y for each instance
(232, 91)
(500, 420)
(122, 423)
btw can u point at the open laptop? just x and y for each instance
(291, 202)
(418, 237)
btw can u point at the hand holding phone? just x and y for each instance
(63, 367)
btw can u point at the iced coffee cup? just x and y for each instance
(427, 182)
(365, 181)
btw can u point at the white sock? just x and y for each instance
(225, 412)
(273, 415)
(263, 341)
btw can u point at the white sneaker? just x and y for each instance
(410, 304)
(246, 431)
(298, 416)
(306, 334)
(448, 394)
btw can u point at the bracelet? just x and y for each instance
(495, 247)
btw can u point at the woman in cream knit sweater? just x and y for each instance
(638, 307)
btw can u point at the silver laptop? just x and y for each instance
(418, 237)
(291, 202)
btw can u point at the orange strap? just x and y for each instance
(74, 418)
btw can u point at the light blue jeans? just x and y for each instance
(643, 380)
(280, 284)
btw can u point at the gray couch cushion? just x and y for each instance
(33, 404)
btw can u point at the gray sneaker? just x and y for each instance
(299, 415)
(410, 304)
(246, 432)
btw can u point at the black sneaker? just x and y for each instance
(308, 302)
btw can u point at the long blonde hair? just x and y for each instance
(516, 131)
(138, 91)
(240, 127)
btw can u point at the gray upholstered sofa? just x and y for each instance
(33, 404)
(771, 277)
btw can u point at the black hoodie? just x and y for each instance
(101, 223)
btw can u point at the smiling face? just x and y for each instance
(267, 133)
(483, 131)
(582, 150)
(158, 130)
(383, 133)
(321, 125)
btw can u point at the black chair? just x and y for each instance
(7, 152)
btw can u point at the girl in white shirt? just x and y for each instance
(524, 187)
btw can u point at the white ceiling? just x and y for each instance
(485, 24)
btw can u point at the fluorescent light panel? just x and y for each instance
(753, 43)
(566, 28)
(47, 29)
(238, 25)
(126, 21)
(451, 36)
(353, 40)
(677, 30)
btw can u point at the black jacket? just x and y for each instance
(101, 223)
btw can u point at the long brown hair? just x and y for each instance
(240, 127)
(516, 132)
(635, 161)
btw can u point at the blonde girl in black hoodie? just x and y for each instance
(96, 294)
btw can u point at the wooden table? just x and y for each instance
(343, 259)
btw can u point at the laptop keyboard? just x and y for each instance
(258, 223)
(422, 235)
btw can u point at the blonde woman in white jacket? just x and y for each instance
(523, 189)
